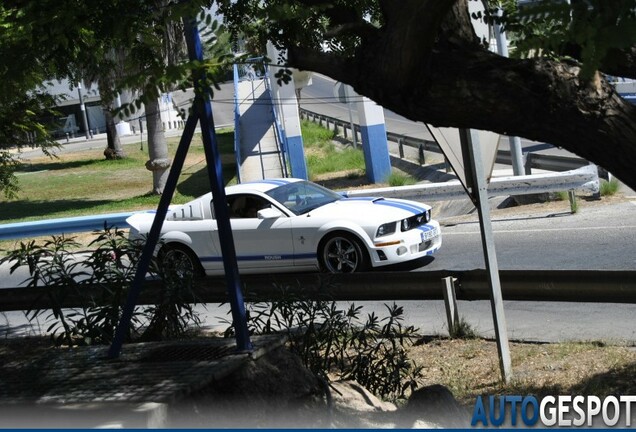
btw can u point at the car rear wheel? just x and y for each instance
(342, 253)
(178, 262)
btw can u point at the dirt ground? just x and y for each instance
(470, 368)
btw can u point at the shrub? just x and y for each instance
(462, 330)
(331, 340)
(399, 179)
(54, 266)
(608, 188)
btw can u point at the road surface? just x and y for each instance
(598, 237)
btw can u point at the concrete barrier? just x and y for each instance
(64, 225)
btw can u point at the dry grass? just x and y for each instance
(470, 368)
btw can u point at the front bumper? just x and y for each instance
(406, 246)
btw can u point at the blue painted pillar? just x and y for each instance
(203, 113)
(374, 143)
(203, 108)
(286, 104)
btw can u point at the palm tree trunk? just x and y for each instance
(114, 150)
(158, 161)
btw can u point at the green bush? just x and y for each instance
(608, 188)
(330, 340)
(400, 179)
(111, 266)
(462, 330)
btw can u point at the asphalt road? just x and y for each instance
(598, 237)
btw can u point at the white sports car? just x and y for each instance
(284, 225)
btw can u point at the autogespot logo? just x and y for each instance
(560, 411)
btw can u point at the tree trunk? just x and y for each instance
(158, 161)
(458, 83)
(114, 150)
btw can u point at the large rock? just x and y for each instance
(277, 391)
(274, 391)
(434, 404)
(351, 396)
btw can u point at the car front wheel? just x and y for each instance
(342, 253)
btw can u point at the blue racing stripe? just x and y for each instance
(273, 257)
(397, 204)
(414, 206)
(272, 182)
(362, 198)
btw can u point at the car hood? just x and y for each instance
(371, 208)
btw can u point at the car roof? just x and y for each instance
(260, 185)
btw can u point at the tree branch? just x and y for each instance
(361, 29)
(329, 64)
(445, 77)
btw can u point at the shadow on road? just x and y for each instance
(408, 266)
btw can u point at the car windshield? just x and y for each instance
(303, 197)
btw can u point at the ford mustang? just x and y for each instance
(284, 225)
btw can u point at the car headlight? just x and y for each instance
(385, 229)
(415, 221)
(423, 218)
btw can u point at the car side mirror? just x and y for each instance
(269, 213)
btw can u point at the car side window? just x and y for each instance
(245, 206)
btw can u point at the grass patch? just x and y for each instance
(85, 183)
(314, 135)
(400, 179)
(323, 156)
(609, 188)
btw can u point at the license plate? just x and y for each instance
(427, 235)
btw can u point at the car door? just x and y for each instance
(260, 244)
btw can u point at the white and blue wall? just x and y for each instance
(374, 143)
(286, 105)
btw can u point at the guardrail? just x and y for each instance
(533, 160)
(583, 179)
(521, 285)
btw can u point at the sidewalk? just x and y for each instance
(81, 387)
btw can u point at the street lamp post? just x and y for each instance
(83, 108)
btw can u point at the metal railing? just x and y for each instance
(279, 135)
(281, 139)
(534, 160)
(588, 286)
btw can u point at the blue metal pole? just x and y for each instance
(153, 237)
(203, 108)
